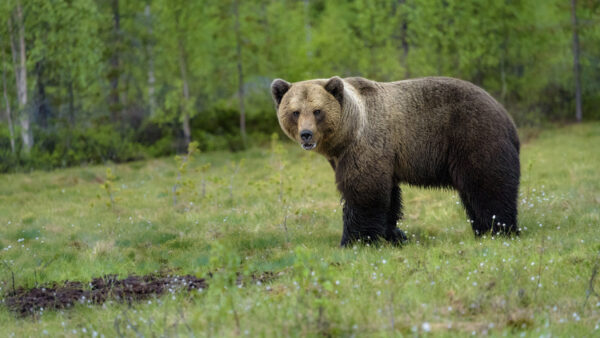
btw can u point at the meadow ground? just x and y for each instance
(276, 212)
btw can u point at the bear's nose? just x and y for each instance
(306, 135)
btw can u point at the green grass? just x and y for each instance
(59, 225)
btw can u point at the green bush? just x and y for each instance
(76, 146)
(8, 160)
(59, 147)
(157, 139)
(69, 146)
(219, 128)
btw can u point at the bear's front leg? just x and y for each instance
(367, 198)
(373, 222)
(365, 180)
(364, 224)
(393, 234)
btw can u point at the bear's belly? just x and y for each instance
(423, 171)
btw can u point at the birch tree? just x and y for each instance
(240, 69)
(177, 32)
(114, 74)
(576, 64)
(7, 111)
(150, 57)
(17, 44)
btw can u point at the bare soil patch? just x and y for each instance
(63, 295)
(66, 294)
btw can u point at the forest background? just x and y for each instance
(93, 81)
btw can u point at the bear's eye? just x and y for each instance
(296, 113)
(317, 112)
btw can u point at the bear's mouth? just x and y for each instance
(308, 146)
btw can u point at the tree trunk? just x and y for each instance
(42, 111)
(150, 55)
(503, 80)
(238, 40)
(7, 111)
(405, 49)
(114, 102)
(576, 64)
(374, 67)
(404, 39)
(21, 78)
(187, 133)
(503, 56)
(71, 102)
(307, 28)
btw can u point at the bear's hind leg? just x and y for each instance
(488, 186)
(491, 211)
(393, 234)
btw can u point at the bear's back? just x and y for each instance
(424, 120)
(433, 104)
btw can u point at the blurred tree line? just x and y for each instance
(86, 81)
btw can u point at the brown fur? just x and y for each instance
(432, 132)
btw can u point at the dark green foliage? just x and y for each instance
(76, 146)
(7, 159)
(148, 66)
(219, 128)
(67, 147)
(157, 139)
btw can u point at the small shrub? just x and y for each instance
(109, 187)
(182, 166)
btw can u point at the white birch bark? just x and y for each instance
(21, 77)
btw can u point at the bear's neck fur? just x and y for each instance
(352, 123)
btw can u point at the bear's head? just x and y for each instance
(310, 112)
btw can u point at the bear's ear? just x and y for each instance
(335, 87)
(278, 88)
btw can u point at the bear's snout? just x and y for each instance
(307, 141)
(306, 135)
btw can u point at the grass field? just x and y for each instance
(277, 211)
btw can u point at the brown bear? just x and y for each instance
(428, 132)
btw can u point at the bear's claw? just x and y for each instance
(397, 237)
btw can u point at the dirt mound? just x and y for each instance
(64, 295)
(99, 290)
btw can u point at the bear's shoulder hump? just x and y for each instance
(362, 85)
